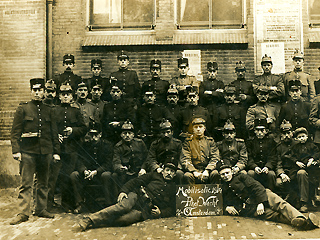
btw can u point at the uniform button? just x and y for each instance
(40, 120)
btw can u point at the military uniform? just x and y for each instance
(244, 87)
(87, 109)
(182, 83)
(261, 153)
(68, 77)
(216, 96)
(99, 108)
(199, 155)
(314, 119)
(103, 82)
(159, 87)
(34, 134)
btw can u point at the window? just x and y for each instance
(195, 14)
(314, 12)
(121, 14)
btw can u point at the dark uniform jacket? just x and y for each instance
(296, 112)
(161, 192)
(244, 87)
(87, 109)
(244, 193)
(314, 118)
(181, 84)
(34, 129)
(68, 116)
(261, 153)
(199, 154)
(284, 162)
(161, 152)
(211, 85)
(132, 155)
(95, 157)
(307, 87)
(68, 77)
(175, 111)
(233, 153)
(128, 81)
(98, 112)
(271, 80)
(103, 82)
(159, 87)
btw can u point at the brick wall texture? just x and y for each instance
(23, 46)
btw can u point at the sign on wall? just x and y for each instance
(199, 200)
(276, 51)
(194, 58)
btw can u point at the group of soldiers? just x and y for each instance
(258, 137)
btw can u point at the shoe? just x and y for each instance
(304, 208)
(299, 222)
(313, 221)
(85, 223)
(45, 214)
(313, 203)
(79, 208)
(19, 219)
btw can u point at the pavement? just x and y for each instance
(64, 226)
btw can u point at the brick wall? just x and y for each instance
(22, 55)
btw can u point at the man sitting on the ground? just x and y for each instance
(244, 196)
(151, 195)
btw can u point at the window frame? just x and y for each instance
(312, 23)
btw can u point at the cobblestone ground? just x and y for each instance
(64, 226)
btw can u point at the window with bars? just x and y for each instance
(204, 14)
(122, 14)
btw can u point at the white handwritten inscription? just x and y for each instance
(199, 200)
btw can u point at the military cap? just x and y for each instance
(66, 88)
(172, 90)
(240, 66)
(37, 83)
(127, 126)
(263, 89)
(94, 127)
(97, 85)
(50, 84)
(165, 124)
(96, 63)
(300, 130)
(155, 63)
(297, 55)
(183, 62)
(285, 126)
(230, 90)
(294, 85)
(68, 58)
(198, 120)
(171, 165)
(229, 126)
(82, 84)
(212, 66)
(260, 123)
(222, 165)
(266, 58)
(123, 55)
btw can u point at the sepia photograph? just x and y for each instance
(159, 119)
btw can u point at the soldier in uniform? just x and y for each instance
(34, 140)
(273, 82)
(115, 113)
(228, 110)
(199, 155)
(159, 87)
(244, 88)
(262, 110)
(189, 112)
(174, 108)
(163, 150)
(93, 166)
(314, 118)
(262, 159)
(296, 110)
(149, 116)
(97, 79)
(146, 197)
(96, 93)
(233, 151)
(68, 76)
(211, 89)
(184, 82)
(128, 159)
(307, 84)
(127, 80)
(71, 128)
(246, 197)
(50, 92)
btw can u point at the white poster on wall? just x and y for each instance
(194, 57)
(276, 52)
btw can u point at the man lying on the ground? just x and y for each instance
(149, 196)
(244, 196)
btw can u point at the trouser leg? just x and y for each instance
(214, 177)
(188, 178)
(108, 188)
(129, 218)
(53, 177)
(107, 215)
(277, 204)
(179, 176)
(42, 176)
(77, 186)
(303, 184)
(271, 180)
(27, 170)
